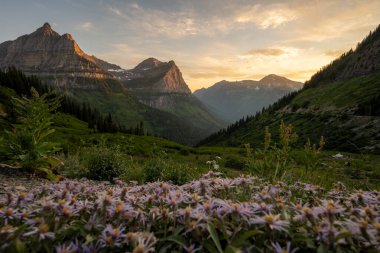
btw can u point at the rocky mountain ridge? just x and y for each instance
(234, 100)
(45, 52)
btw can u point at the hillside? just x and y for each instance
(340, 102)
(151, 97)
(235, 100)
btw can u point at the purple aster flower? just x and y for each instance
(278, 249)
(191, 249)
(272, 221)
(92, 248)
(8, 213)
(71, 248)
(43, 232)
(145, 243)
(111, 236)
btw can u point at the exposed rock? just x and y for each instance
(154, 76)
(52, 56)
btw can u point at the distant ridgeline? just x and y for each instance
(18, 83)
(234, 100)
(340, 102)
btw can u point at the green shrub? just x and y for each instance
(185, 152)
(234, 162)
(104, 164)
(167, 170)
(153, 169)
(132, 171)
(176, 174)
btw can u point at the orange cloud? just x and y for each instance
(266, 52)
(335, 53)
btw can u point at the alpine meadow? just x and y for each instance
(211, 126)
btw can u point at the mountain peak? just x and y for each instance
(46, 30)
(167, 77)
(46, 26)
(68, 36)
(149, 64)
(272, 77)
(46, 51)
(273, 80)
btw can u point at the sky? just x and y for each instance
(210, 40)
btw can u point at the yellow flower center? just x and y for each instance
(43, 228)
(139, 249)
(269, 219)
(119, 208)
(9, 212)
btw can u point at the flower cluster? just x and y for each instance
(212, 214)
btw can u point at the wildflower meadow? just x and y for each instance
(212, 214)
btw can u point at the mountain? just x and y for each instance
(153, 92)
(45, 51)
(160, 85)
(234, 100)
(154, 76)
(340, 102)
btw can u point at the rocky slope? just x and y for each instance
(234, 100)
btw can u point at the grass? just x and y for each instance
(138, 152)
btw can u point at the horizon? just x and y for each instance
(290, 39)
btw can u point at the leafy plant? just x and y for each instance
(27, 142)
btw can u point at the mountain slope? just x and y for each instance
(340, 102)
(58, 61)
(234, 100)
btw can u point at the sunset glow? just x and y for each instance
(210, 40)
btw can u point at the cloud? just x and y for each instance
(332, 20)
(270, 16)
(334, 53)
(180, 23)
(280, 53)
(266, 52)
(115, 11)
(86, 26)
(156, 23)
(300, 75)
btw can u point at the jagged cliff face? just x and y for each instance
(155, 83)
(51, 56)
(154, 76)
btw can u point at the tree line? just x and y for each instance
(22, 85)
